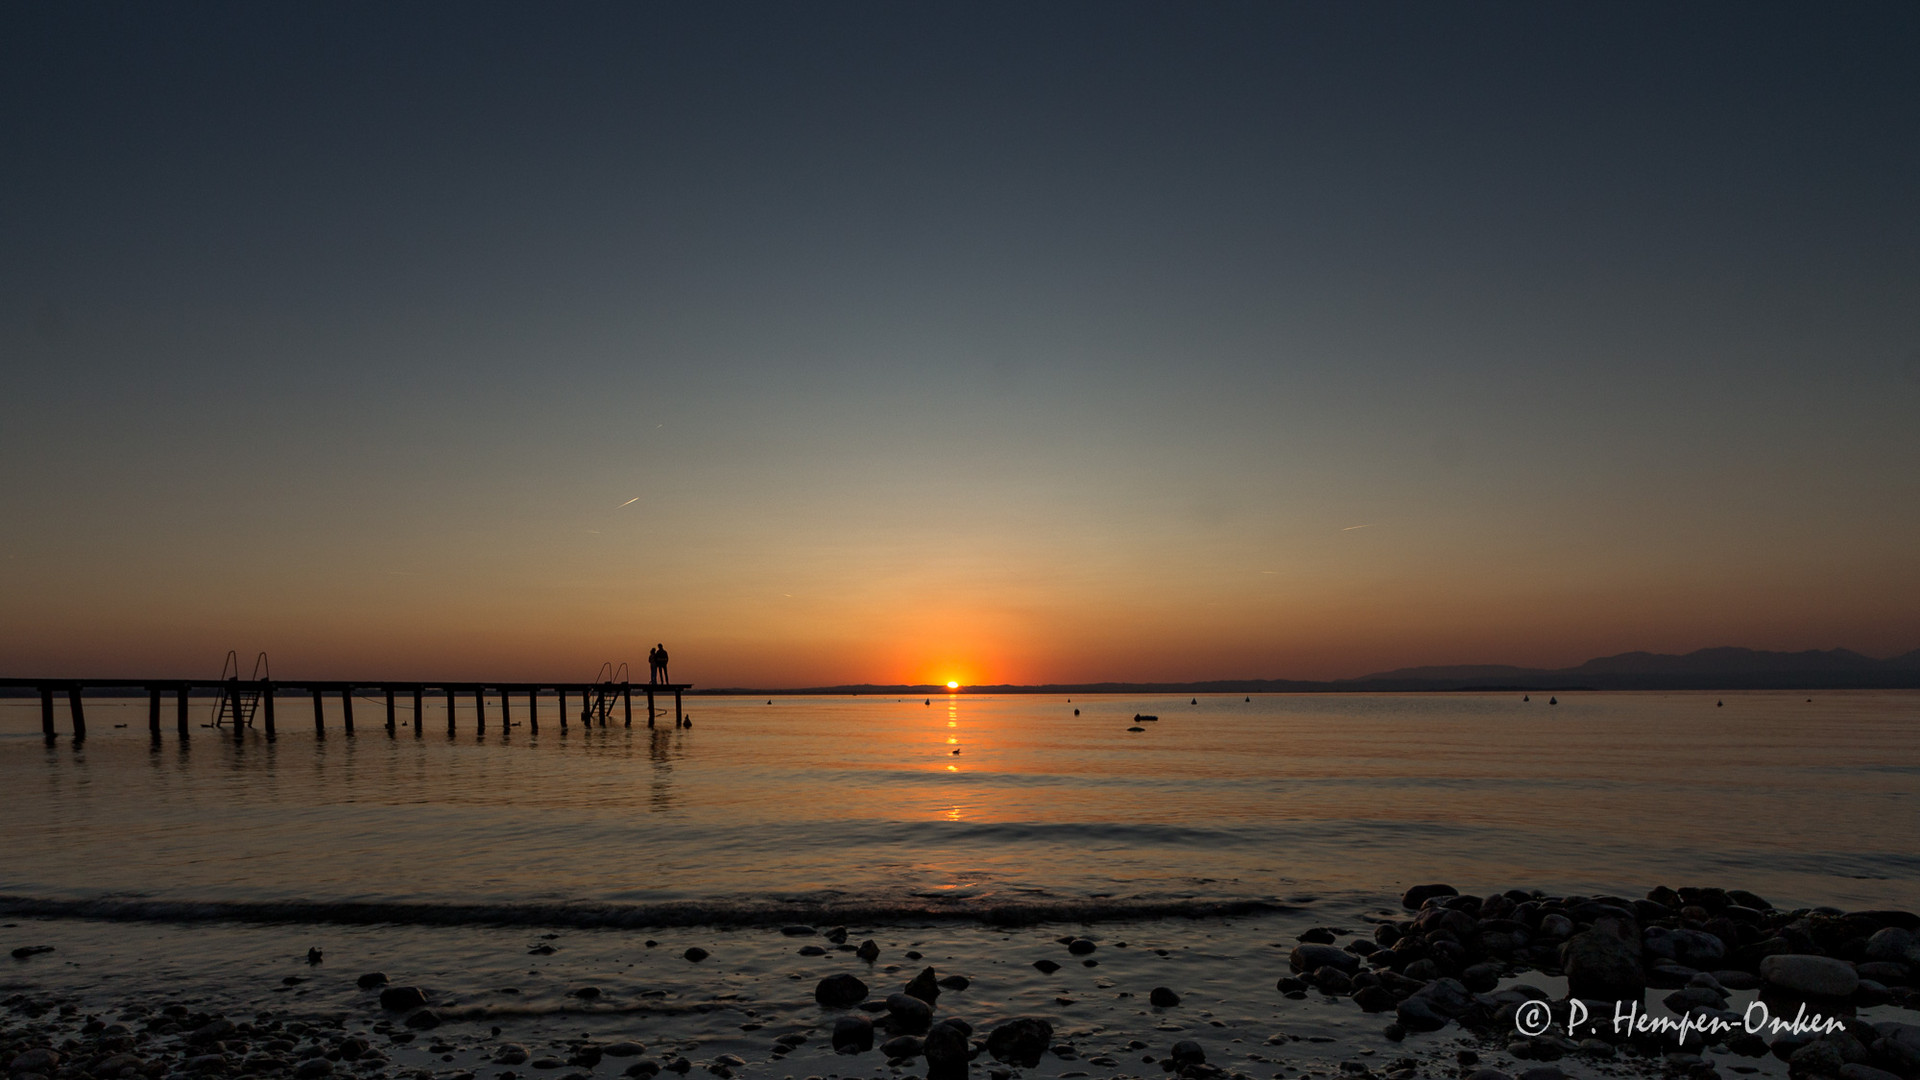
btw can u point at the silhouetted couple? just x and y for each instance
(657, 665)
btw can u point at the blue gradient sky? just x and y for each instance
(998, 343)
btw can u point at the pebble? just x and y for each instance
(696, 954)
(1163, 997)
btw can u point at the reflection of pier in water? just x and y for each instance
(245, 703)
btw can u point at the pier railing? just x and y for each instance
(598, 701)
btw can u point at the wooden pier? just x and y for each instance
(244, 703)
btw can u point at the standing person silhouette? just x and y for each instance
(653, 664)
(660, 652)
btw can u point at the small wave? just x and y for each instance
(999, 912)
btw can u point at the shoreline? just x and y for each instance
(1435, 987)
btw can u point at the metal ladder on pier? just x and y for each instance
(599, 700)
(237, 706)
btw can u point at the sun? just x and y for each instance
(952, 684)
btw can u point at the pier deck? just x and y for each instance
(253, 700)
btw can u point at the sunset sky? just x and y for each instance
(1012, 343)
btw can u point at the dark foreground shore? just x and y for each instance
(1697, 983)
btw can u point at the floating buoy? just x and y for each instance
(1553, 701)
(929, 701)
(1194, 701)
(1138, 717)
(1076, 712)
(1246, 699)
(1526, 697)
(1719, 704)
(1136, 727)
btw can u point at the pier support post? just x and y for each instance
(480, 711)
(649, 704)
(586, 707)
(79, 714)
(679, 718)
(266, 700)
(419, 703)
(506, 711)
(626, 697)
(153, 711)
(319, 716)
(46, 711)
(562, 692)
(239, 732)
(449, 712)
(181, 693)
(346, 708)
(533, 710)
(389, 712)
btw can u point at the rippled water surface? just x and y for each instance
(971, 804)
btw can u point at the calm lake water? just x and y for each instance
(865, 807)
(506, 874)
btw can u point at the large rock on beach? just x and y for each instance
(902, 1046)
(1020, 1042)
(1315, 957)
(909, 1014)
(946, 1050)
(840, 991)
(1810, 976)
(1600, 966)
(1420, 894)
(925, 986)
(1693, 948)
(38, 1060)
(1898, 1047)
(852, 1034)
(402, 998)
(1892, 945)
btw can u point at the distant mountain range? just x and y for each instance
(1706, 669)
